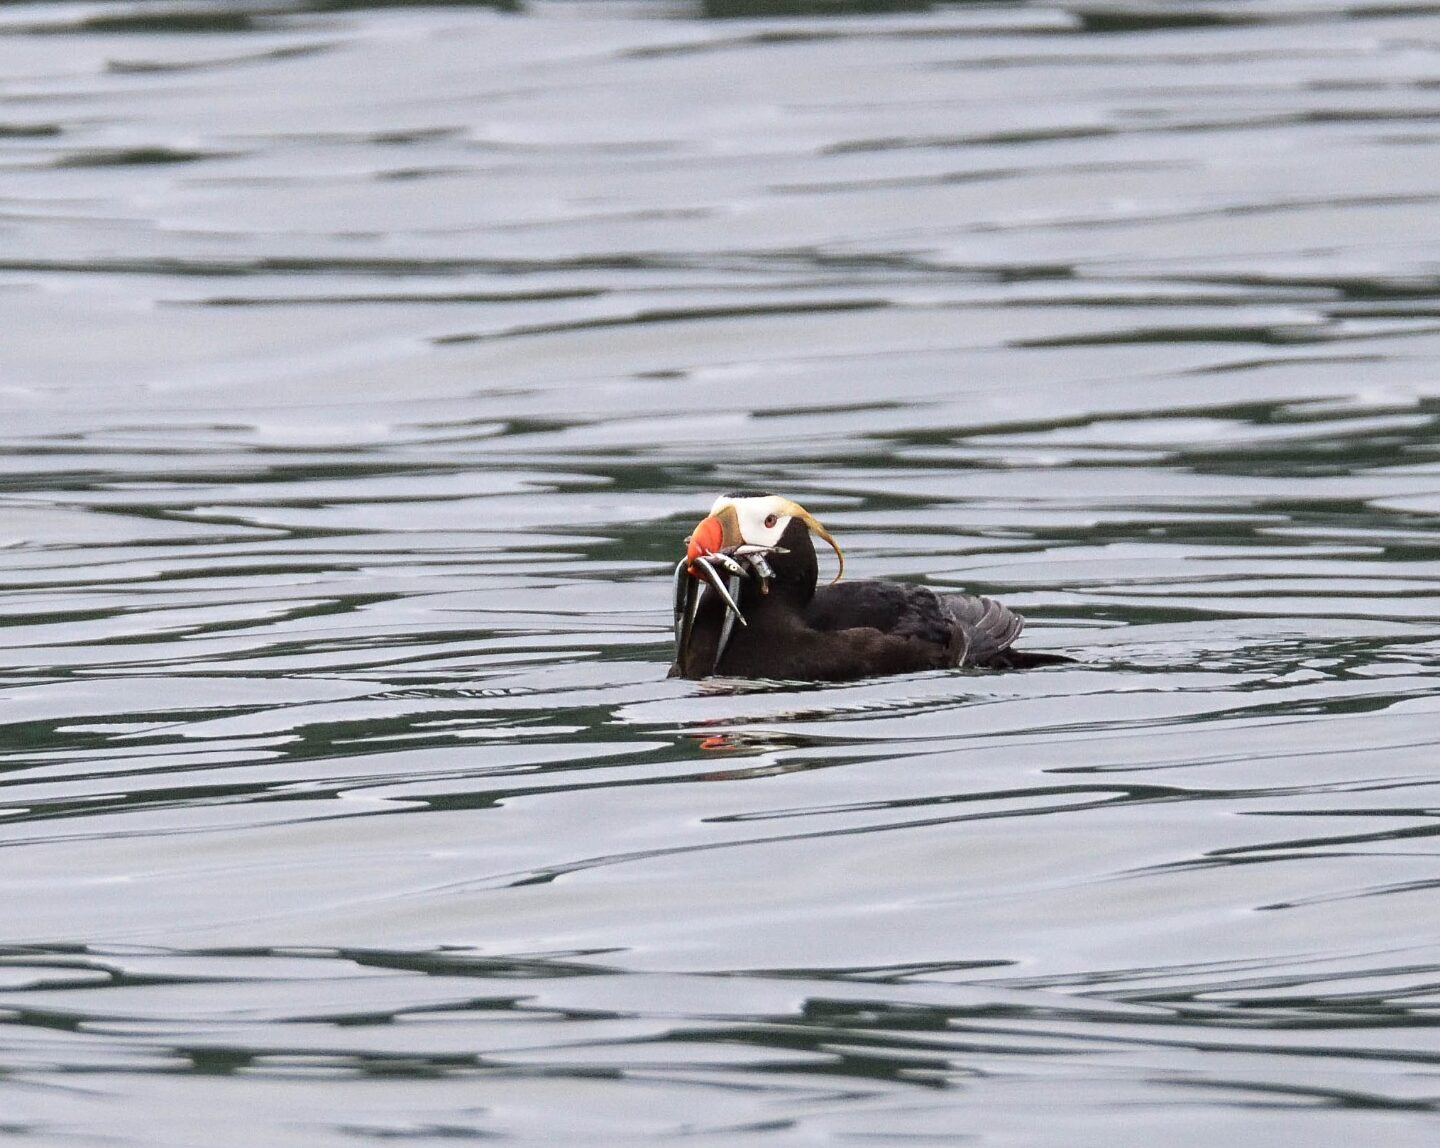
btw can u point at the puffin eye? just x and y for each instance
(771, 520)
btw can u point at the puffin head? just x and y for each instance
(753, 537)
(750, 527)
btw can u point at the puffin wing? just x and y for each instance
(972, 630)
(988, 627)
(890, 607)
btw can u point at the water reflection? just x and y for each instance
(842, 1039)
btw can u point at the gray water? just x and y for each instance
(362, 370)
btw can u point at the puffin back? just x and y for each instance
(973, 630)
(890, 607)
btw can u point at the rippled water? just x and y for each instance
(362, 371)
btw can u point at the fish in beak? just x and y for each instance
(705, 555)
(710, 544)
(732, 543)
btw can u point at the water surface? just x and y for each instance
(364, 369)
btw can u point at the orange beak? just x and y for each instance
(708, 537)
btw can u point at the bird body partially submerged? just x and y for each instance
(747, 605)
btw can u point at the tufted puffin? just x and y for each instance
(747, 605)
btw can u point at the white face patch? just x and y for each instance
(762, 519)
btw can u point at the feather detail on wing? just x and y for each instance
(989, 627)
(972, 630)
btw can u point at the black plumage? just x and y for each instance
(796, 631)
